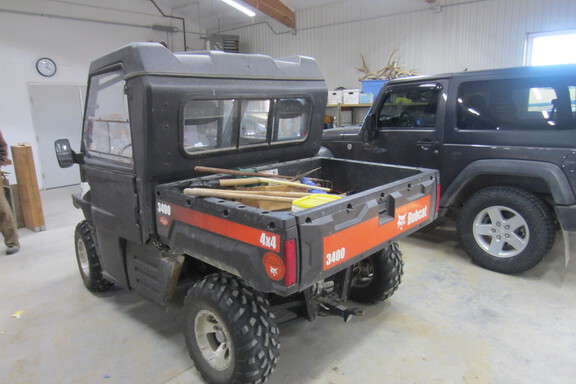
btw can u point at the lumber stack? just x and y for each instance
(28, 187)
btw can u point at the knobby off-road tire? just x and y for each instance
(87, 258)
(231, 334)
(506, 230)
(377, 277)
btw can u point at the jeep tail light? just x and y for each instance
(438, 198)
(290, 262)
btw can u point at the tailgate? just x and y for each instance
(336, 235)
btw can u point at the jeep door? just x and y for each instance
(407, 121)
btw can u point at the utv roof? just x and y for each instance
(512, 72)
(140, 59)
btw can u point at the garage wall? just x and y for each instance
(73, 42)
(476, 34)
(473, 34)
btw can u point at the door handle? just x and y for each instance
(427, 144)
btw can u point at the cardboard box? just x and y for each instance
(335, 97)
(351, 96)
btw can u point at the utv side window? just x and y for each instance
(413, 107)
(517, 104)
(291, 121)
(107, 125)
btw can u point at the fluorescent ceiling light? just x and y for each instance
(240, 7)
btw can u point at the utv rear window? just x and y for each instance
(210, 125)
(526, 104)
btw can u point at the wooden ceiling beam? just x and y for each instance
(276, 9)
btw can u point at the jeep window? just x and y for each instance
(107, 126)
(413, 107)
(230, 124)
(532, 104)
(208, 124)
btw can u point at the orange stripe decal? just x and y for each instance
(227, 228)
(352, 241)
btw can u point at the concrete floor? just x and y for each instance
(450, 322)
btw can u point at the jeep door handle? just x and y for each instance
(427, 144)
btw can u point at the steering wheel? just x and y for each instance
(406, 120)
(125, 148)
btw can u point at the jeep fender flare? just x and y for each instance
(550, 174)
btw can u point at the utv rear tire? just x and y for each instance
(231, 334)
(88, 261)
(377, 277)
(506, 230)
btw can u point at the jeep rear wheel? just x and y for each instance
(505, 229)
(88, 261)
(378, 276)
(231, 334)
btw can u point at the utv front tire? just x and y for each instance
(87, 258)
(506, 230)
(378, 276)
(231, 334)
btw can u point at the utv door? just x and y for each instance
(109, 171)
(408, 126)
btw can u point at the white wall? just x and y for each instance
(72, 44)
(473, 34)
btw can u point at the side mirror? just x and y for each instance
(370, 126)
(64, 153)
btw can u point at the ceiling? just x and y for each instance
(215, 16)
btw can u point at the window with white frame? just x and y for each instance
(547, 48)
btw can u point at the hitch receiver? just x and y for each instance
(339, 309)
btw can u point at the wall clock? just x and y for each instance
(46, 67)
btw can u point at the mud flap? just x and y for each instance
(569, 245)
(153, 272)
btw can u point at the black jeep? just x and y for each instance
(504, 141)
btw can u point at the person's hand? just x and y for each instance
(7, 161)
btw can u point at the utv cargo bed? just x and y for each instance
(382, 202)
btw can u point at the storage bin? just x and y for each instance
(351, 96)
(373, 86)
(335, 97)
(366, 98)
(313, 201)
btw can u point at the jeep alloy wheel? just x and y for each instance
(506, 229)
(501, 231)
